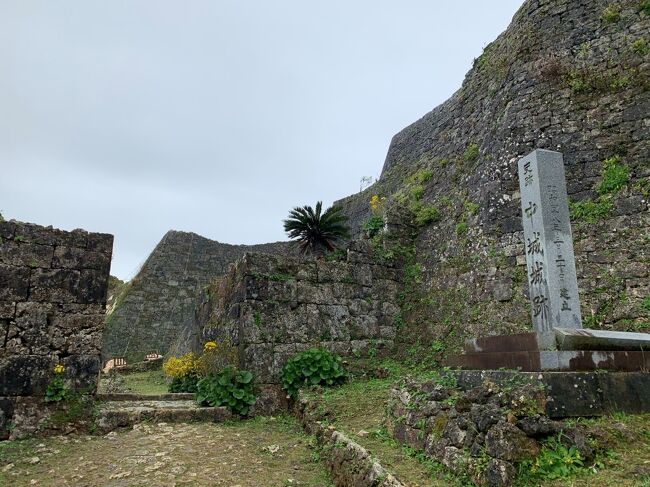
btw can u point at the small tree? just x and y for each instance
(316, 233)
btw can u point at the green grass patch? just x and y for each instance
(150, 383)
(471, 153)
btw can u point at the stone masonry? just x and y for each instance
(155, 311)
(273, 307)
(568, 76)
(483, 432)
(53, 287)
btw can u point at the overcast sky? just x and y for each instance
(134, 117)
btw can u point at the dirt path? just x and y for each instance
(260, 452)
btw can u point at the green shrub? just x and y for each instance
(373, 225)
(640, 46)
(555, 461)
(644, 6)
(612, 13)
(615, 176)
(312, 367)
(422, 176)
(427, 214)
(577, 81)
(590, 211)
(461, 228)
(185, 383)
(231, 388)
(471, 153)
(56, 390)
(417, 192)
(472, 208)
(338, 255)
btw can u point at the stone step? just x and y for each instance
(124, 414)
(128, 396)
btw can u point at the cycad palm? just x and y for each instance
(316, 233)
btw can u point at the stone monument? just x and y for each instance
(553, 285)
(558, 341)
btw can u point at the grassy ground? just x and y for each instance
(151, 382)
(625, 462)
(358, 407)
(259, 452)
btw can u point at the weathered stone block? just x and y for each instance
(100, 242)
(308, 292)
(7, 310)
(14, 283)
(32, 327)
(363, 327)
(25, 254)
(82, 372)
(7, 230)
(93, 286)
(258, 359)
(76, 258)
(55, 285)
(507, 442)
(50, 236)
(24, 375)
(333, 272)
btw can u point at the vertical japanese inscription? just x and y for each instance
(548, 243)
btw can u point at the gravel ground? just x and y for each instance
(259, 452)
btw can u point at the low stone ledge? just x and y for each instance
(128, 396)
(125, 415)
(349, 464)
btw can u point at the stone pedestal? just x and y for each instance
(571, 350)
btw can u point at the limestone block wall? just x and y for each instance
(155, 310)
(567, 75)
(272, 307)
(53, 287)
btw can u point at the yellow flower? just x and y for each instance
(58, 369)
(209, 346)
(179, 367)
(374, 202)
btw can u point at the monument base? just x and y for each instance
(540, 360)
(570, 350)
(571, 394)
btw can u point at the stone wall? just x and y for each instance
(483, 432)
(273, 307)
(52, 301)
(567, 75)
(155, 310)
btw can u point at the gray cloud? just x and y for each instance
(135, 117)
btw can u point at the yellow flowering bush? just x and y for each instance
(185, 371)
(376, 222)
(56, 390)
(216, 357)
(177, 367)
(377, 202)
